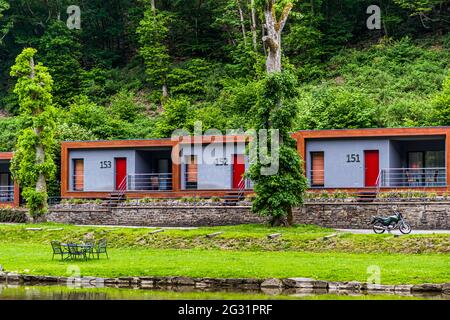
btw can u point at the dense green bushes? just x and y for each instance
(9, 215)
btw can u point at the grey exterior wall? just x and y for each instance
(95, 178)
(210, 175)
(338, 172)
(341, 174)
(395, 155)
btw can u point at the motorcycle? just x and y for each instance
(380, 224)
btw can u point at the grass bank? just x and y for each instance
(241, 251)
(243, 238)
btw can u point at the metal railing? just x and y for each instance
(412, 177)
(191, 184)
(148, 182)
(7, 193)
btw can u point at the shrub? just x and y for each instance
(217, 199)
(187, 199)
(324, 195)
(9, 215)
(340, 195)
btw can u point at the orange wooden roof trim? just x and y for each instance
(6, 155)
(372, 132)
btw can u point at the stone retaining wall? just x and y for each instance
(268, 286)
(426, 215)
(421, 215)
(157, 216)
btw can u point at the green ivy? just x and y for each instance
(32, 171)
(277, 194)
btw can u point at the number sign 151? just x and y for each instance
(353, 158)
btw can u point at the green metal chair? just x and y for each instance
(58, 250)
(76, 251)
(100, 248)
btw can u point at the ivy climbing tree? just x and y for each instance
(279, 192)
(32, 164)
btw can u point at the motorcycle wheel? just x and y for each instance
(405, 228)
(378, 228)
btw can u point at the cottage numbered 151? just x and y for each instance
(351, 159)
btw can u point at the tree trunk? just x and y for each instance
(272, 39)
(279, 222)
(153, 5)
(41, 184)
(165, 91)
(253, 24)
(290, 217)
(241, 15)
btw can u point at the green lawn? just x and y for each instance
(134, 254)
(395, 269)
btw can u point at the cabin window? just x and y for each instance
(426, 159)
(191, 172)
(78, 174)
(434, 159)
(415, 160)
(317, 169)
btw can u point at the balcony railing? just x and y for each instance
(7, 193)
(412, 177)
(149, 182)
(190, 183)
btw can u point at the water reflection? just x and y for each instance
(55, 292)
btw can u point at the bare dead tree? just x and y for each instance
(272, 39)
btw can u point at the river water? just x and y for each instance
(53, 292)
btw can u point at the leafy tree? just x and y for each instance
(9, 130)
(153, 33)
(4, 25)
(189, 78)
(441, 104)
(336, 108)
(95, 119)
(33, 164)
(61, 53)
(174, 116)
(429, 12)
(277, 194)
(211, 117)
(125, 107)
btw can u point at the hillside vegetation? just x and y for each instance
(134, 71)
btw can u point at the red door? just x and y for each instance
(238, 170)
(121, 173)
(372, 167)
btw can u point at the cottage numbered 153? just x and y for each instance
(351, 159)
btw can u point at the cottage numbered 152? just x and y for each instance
(351, 159)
